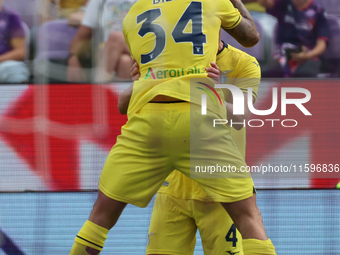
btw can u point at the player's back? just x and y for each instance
(176, 39)
(177, 34)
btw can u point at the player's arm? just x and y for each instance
(245, 32)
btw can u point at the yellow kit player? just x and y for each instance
(176, 40)
(181, 206)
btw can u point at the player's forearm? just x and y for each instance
(245, 32)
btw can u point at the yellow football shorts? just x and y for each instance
(175, 221)
(162, 137)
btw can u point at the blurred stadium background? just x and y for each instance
(55, 136)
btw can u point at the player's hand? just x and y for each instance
(134, 70)
(213, 72)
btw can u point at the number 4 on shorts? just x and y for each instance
(231, 235)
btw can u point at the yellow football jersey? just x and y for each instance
(173, 41)
(241, 70)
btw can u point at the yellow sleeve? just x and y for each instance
(229, 15)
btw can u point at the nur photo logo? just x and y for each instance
(239, 104)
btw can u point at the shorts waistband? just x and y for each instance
(167, 102)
